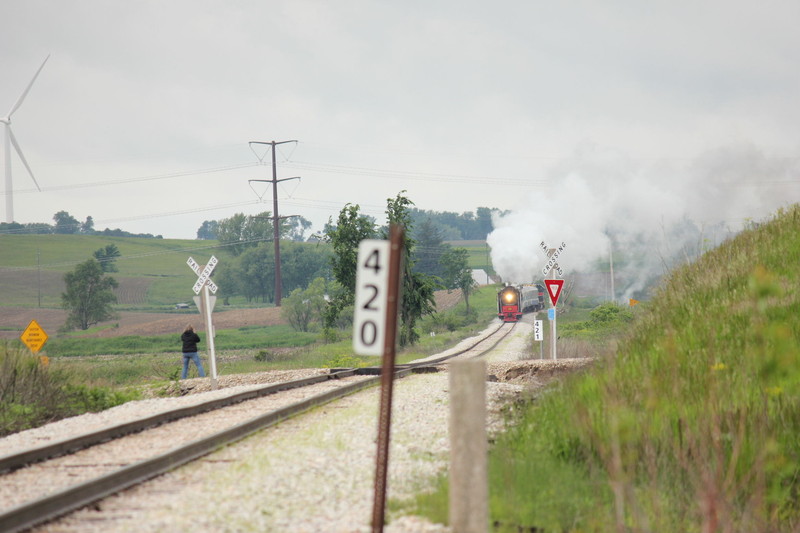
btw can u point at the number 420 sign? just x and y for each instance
(372, 285)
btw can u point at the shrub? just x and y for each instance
(344, 361)
(33, 393)
(264, 356)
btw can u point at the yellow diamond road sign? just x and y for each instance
(34, 336)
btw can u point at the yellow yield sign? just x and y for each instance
(34, 336)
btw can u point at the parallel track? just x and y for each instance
(46, 508)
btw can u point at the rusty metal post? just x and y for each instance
(387, 377)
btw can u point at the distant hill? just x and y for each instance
(152, 272)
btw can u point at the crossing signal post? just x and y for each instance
(202, 286)
(554, 287)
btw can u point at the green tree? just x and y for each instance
(350, 229)
(89, 295)
(418, 288)
(456, 272)
(304, 307)
(87, 228)
(257, 271)
(208, 230)
(241, 232)
(294, 228)
(301, 263)
(429, 249)
(106, 257)
(483, 221)
(66, 223)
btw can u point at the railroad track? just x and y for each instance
(52, 480)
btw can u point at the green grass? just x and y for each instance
(238, 339)
(479, 254)
(691, 425)
(32, 392)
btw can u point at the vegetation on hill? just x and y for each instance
(692, 425)
(464, 226)
(66, 224)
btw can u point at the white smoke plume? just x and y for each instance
(655, 212)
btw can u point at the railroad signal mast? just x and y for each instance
(554, 287)
(204, 285)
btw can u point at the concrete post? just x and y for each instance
(469, 486)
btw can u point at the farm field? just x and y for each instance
(152, 272)
(13, 321)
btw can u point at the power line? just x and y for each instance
(137, 179)
(414, 175)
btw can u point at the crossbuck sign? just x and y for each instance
(204, 276)
(205, 284)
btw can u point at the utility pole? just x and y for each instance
(276, 233)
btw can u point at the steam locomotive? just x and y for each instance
(513, 301)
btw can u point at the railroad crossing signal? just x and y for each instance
(205, 285)
(34, 337)
(203, 277)
(552, 254)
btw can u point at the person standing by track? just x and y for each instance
(190, 340)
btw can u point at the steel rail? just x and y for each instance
(52, 506)
(66, 446)
(468, 349)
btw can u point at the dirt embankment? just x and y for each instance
(13, 320)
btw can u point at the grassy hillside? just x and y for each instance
(694, 425)
(479, 254)
(152, 272)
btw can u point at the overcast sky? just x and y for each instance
(143, 112)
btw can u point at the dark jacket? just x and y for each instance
(190, 340)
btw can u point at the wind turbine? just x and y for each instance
(9, 140)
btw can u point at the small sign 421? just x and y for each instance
(372, 285)
(538, 333)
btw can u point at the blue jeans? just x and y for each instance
(196, 358)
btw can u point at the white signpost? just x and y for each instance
(538, 335)
(204, 285)
(372, 283)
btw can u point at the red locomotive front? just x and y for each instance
(508, 308)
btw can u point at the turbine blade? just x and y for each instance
(28, 88)
(19, 151)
